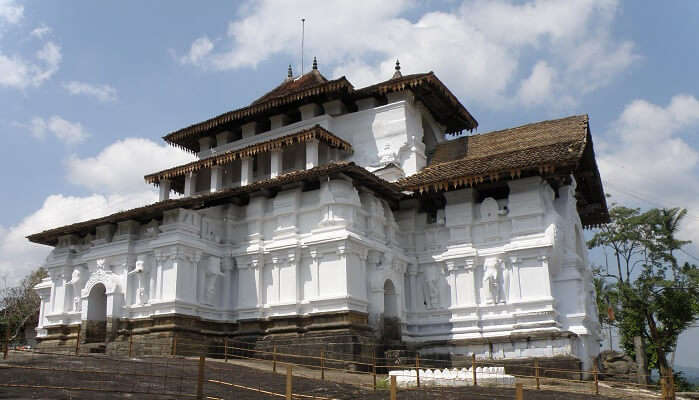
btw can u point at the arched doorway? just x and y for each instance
(96, 324)
(391, 322)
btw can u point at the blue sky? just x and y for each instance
(88, 88)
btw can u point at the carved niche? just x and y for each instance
(495, 280)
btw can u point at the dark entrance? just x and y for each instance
(96, 324)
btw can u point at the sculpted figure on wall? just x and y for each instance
(492, 281)
(213, 271)
(431, 288)
(140, 292)
(75, 283)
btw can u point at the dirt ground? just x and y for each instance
(63, 377)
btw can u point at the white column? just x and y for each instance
(246, 171)
(309, 111)
(227, 267)
(222, 138)
(205, 143)
(164, 189)
(190, 183)
(276, 162)
(315, 272)
(216, 178)
(412, 278)
(277, 121)
(248, 129)
(311, 153)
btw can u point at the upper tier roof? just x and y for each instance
(551, 148)
(176, 174)
(313, 87)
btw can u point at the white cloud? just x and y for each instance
(477, 47)
(10, 11)
(116, 177)
(40, 31)
(103, 93)
(539, 85)
(66, 131)
(19, 73)
(18, 256)
(200, 49)
(646, 160)
(120, 167)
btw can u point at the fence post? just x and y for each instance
(473, 367)
(77, 342)
(7, 341)
(393, 387)
(536, 373)
(200, 379)
(519, 391)
(173, 351)
(288, 382)
(274, 358)
(373, 357)
(225, 349)
(594, 371)
(322, 365)
(417, 368)
(130, 345)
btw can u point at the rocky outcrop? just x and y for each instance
(614, 365)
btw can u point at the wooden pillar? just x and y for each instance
(225, 349)
(77, 342)
(322, 365)
(536, 374)
(288, 382)
(473, 367)
(519, 391)
(417, 368)
(274, 358)
(200, 378)
(7, 341)
(130, 345)
(173, 351)
(373, 369)
(594, 371)
(393, 387)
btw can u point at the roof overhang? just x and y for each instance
(238, 195)
(316, 132)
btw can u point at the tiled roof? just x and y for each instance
(445, 107)
(562, 146)
(315, 132)
(188, 138)
(313, 87)
(360, 175)
(293, 85)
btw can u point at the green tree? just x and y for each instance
(19, 305)
(656, 296)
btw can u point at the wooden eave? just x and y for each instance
(444, 106)
(315, 132)
(560, 153)
(237, 195)
(188, 138)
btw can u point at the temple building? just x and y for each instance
(322, 212)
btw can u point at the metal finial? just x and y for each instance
(289, 73)
(315, 63)
(397, 74)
